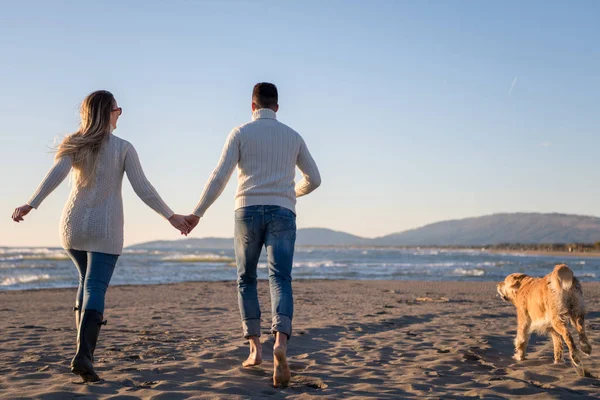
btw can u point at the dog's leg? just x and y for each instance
(578, 322)
(563, 331)
(558, 346)
(522, 339)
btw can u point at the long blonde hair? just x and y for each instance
(83, 146)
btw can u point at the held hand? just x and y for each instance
(192, 220)
(179, 223)
(20, 212)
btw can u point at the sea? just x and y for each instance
(43, 268)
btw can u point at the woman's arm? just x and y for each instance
(145, 191)
(142, 187)
(54, 177)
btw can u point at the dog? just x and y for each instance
(546, 305)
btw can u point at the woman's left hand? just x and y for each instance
(20, 212)
(179, 223)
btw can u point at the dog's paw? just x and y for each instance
(558, 361)
(519, 357)
(581, 370)
(586, 348)
(575, 361)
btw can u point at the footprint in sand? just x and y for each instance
(299, 381)
(254, 371)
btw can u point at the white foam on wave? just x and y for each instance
(587, 275)
(330, 264)
(310, 264)
(435, 252)
(318, 264)
(135, 251)
(191, 258)
(493, 263)
(54, 255)
(27, 250)
(15, 280)
(58, 256)
(469, 272)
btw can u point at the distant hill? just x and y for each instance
(204, 243)
(305, 237)
(327, 237)
(501, 228)
(526, 228)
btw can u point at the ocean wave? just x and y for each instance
(468, 272)
(493, 263)
(587, 275)
(56, 256)
(319, 264)
(435, 252)
(15, 280)
(198, 258)
(28, 250)
(135, 251)
(311, 264)
(368, 265)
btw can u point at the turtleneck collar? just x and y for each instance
(263, 113)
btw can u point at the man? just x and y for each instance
(266, 153)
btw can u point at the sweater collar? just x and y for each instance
(263, 113)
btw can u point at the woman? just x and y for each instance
(91, 227)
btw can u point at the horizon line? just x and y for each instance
(354, 234)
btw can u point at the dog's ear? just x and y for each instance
(515, 282)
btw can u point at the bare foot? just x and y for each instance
(253, 360)
(255, 357)
(281, 372)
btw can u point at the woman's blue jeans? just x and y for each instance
(95, 271)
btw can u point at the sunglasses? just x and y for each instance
(119, 110)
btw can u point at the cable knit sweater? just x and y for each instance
(266, 153)
(92, 219)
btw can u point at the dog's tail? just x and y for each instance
(561, 278)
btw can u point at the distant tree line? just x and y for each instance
(554, 247)
(566, 247)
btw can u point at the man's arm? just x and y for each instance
(311, 178)
(220, 175)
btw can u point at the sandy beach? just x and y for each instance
(353, 339)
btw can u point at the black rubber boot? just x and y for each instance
(87, 337)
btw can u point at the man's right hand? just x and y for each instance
(180, 223)
(192, 220)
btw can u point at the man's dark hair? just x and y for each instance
(265, 95)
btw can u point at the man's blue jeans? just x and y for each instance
(275, 228)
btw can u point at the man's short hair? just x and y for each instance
(265, 95)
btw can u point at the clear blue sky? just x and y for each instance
(415, 111)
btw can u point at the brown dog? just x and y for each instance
(545, 305)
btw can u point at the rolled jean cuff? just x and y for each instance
(282, 324)
(251, 327)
